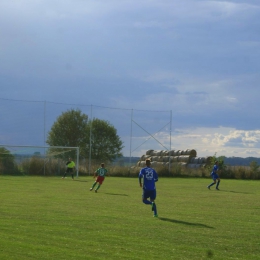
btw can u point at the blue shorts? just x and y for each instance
(149, 194)
(214, 176)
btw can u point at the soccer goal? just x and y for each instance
(37, 160)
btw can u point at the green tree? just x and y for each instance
(254, 170)
(105, 143)
(70, 130)
(7, 162)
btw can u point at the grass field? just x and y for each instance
(50, 218)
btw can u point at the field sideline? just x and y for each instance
(50, 218)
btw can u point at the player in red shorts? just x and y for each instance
(101, 173)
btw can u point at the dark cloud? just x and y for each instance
(199, 59)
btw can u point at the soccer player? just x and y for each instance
(70, 168)
(149, 176)
(101, 173)
(214, 176)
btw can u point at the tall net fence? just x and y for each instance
(29, 122)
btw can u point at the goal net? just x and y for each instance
(36, 160)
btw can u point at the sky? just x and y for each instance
(197, 61)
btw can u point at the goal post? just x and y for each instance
(26, 158)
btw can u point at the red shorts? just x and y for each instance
(100, 179)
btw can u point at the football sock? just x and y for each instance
(213, 183)
(154, 209)
(98, 187)
(94, 184)
(217, 184)
(148, 202)
(72, 176)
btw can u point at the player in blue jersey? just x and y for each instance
(214, 176)
(149, 177)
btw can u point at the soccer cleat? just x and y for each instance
(96, 191)
(208, 187)
(155, 215)
(91, 189)
(217, 188)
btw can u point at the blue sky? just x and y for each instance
(199, 59)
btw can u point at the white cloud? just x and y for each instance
(221, 141)
(231, 99)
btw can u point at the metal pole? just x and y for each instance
(130, 159)
(77, 162)
(44, 123)
(44, 133)
(90, 141)
(170, 140)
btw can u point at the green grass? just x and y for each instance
(50, 218)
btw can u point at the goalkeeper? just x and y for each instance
(70, 168)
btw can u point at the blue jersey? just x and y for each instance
(149, 176)
(215, 169)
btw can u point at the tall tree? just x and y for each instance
(70, 129)
(105, 143)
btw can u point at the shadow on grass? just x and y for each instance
(80, 180)
(185, 223)
(116, 194)
(232, 191)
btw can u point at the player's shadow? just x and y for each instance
(116, 194)
(80, 180)
(185, 223)
(232, 191)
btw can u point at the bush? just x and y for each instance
(53, 167)
(120, 171)
(39, 166)
(254, 170)
(7, 162)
